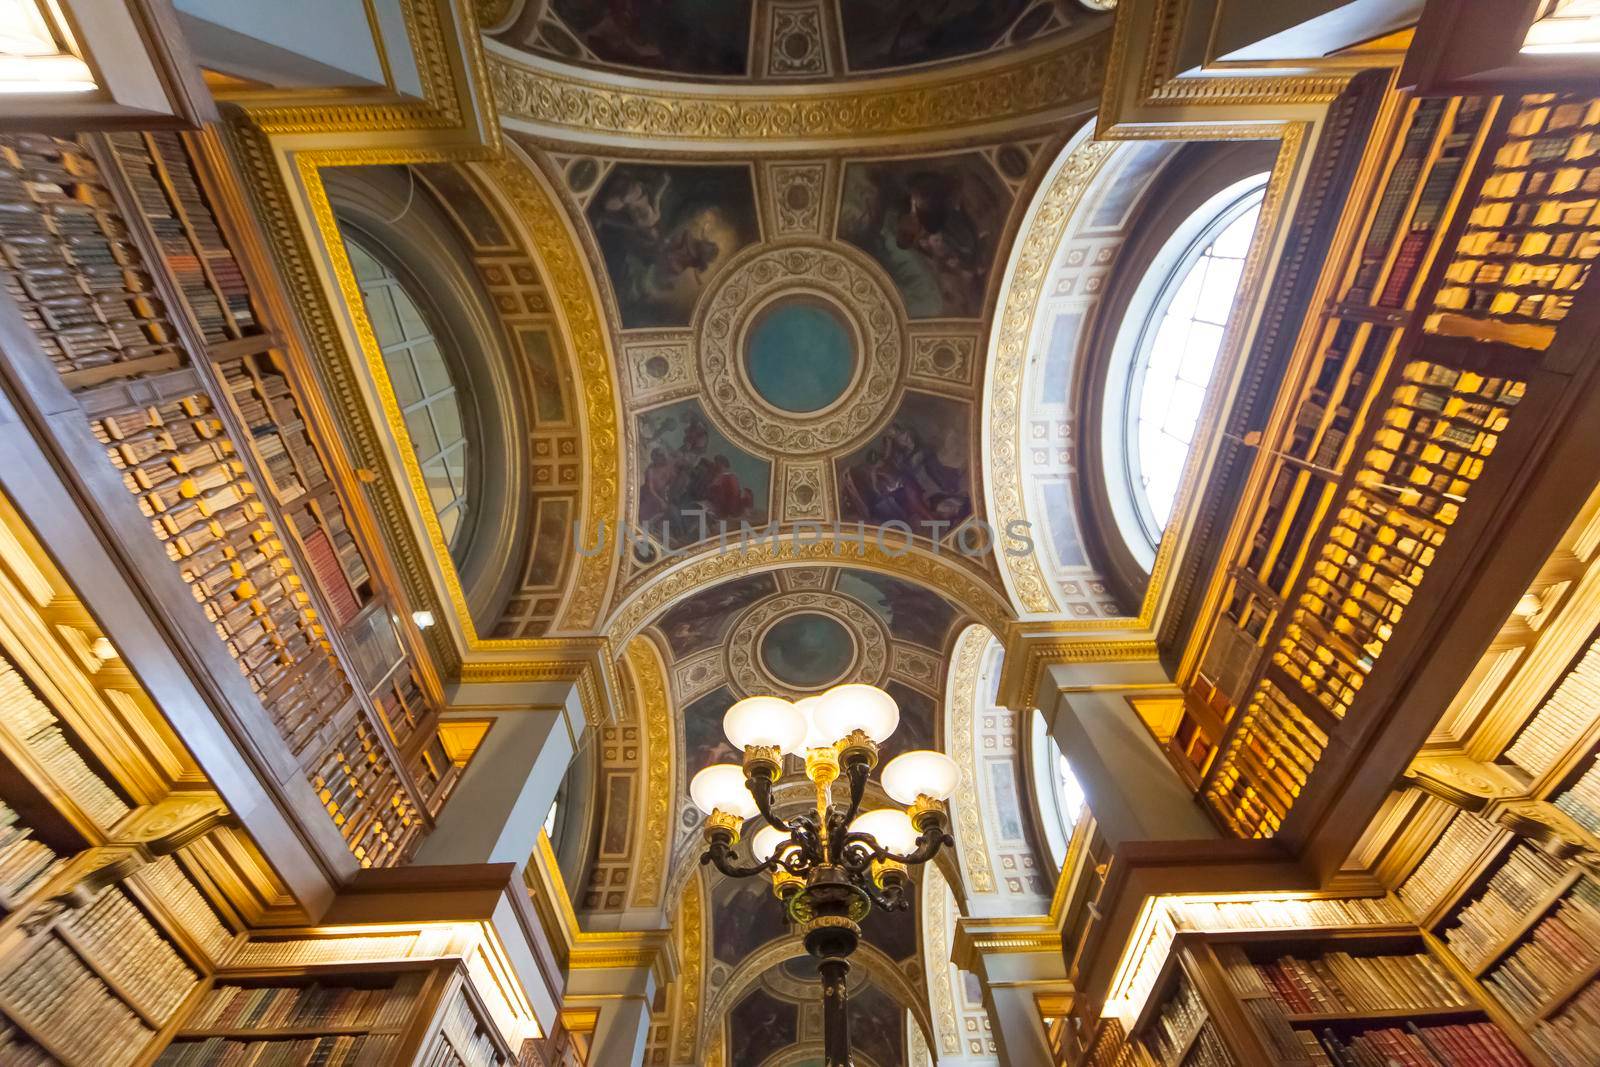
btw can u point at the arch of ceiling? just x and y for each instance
(520, 242)
(1000, 68)
(1039, 343)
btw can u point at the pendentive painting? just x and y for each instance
(933, 224)
(703, 740)
(912, 612)
(684, 36)
(692, 477)
(761, 1025)
(917, 471)
(701, 621)
(896, 33)
(665, 230)
(747, 917)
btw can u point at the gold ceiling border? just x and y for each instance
(1161, 88)
(936, 899)
(960, 712)
(568, 281)
(655, 838)
(1005, 390)
(691, 954)
(713, 563)
(451, 67)
(556, 99)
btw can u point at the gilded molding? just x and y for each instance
(691, 951)
(447, 83)
(569, 282)
(655, 838)
(1011, 341)
(960, 704)
(1006, 391)
(1035, 656)
(936, 899)
(589, 342)
(1039, 85)
(713, 563)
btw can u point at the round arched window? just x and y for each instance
(422, 384)
(1186, 300)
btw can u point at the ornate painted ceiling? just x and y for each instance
(778, 40)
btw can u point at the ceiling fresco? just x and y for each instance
(781, 40)
(800, 341)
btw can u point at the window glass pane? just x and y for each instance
(430, 367)
(423, 439)
(380, 311)
(1181, 339)
(446, 420)
(420, 376)
(410, 317)
(404, 381)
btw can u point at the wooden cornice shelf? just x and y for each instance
(270, 1032)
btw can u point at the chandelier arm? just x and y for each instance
(858, 770)
(717, 854)
(760, 788)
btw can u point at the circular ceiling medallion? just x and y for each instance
(800, 349)
(800, 354)
(803, 641)
(807, 650)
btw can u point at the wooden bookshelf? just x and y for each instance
(1309, 997)
(423, 1013)
(134, 283)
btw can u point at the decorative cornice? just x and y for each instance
(1026, 661)
(654, 836)
(961, 742)
(1033, 88)
(1005, 935)
(957, 582)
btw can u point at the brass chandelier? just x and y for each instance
(830, 868)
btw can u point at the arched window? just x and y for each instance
(1179, 313)
(423, 384)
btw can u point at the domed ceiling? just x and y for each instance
(779, 40)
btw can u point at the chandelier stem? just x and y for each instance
(835, 1016)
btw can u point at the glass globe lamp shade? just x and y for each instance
(847, 708)
(720, 787)
(920, 773)
(766, 721)
(767, 843)
(814, 735)
(891, 827)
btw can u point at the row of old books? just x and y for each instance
(305, 1007)
(70, 1009)
(1524, 880)
(1271, 914)
(1582, 799)
(355, 1050)
(1461, 844)
(1561, 718)
(32, 723)
(371, 807)
(1565, 942)
(178, 252)
(1180, 1017)
(1344, 983)
(467, 1037)
(72, 270)
(224, 269)
(128, 948)
(1390, 214)
(1454, 1045)
(25, 862)
(17, 1051)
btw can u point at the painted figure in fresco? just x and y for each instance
(892, 33)
(682, 480)
(664, 230)
(932, 224)
(699, 622)
(692, 36)
(902, 479)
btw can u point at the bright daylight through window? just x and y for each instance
(1177, 351)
